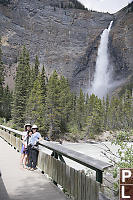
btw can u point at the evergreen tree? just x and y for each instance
(65, 103)
(7, 101)
(36, 67)
(78, 5)
(27, 70)
(91, 103)
(22, 88)
(106, 112)
(86, 107)
(121, 114)
(114, 113)
(89, 107)
(32, 77)
(34, 72)
(43, 84)
(35, 106)
(127, 107)
(53, 110)
(72, 120)
(80, 110)
(70, 5)
(97, 117)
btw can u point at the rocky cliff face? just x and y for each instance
(64, 38)
(121, 44)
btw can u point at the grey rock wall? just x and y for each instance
(121, 44)
(64, 39)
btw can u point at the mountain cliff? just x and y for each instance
(65, 36)
(121, 45)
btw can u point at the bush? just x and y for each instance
(123, 158)
(2, 120)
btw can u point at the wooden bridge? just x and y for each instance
(17, 183)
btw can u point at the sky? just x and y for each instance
(110, 6)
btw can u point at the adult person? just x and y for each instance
(33, 143)
(27, 127)
(26, 148)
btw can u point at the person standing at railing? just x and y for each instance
(26, 148)
(27, 127)
(33, 144)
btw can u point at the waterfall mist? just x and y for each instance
(103, 74)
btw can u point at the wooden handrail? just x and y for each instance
(85, 160)
(11, 130)
(92, 163)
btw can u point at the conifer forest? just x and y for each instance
(57, 111)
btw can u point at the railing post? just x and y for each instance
(99, 176)
(56, 155)
(61, 158)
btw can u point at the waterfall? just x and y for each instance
(102, 77)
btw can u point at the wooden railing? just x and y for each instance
(76, 183)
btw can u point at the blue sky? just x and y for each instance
(110, 6)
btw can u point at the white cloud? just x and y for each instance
(110, 6)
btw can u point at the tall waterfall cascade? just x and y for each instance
(102, 77)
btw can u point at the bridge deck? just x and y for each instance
(21, 183)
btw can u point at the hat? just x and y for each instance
(34, 127)
(28, 124)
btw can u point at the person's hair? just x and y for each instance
(26, 127)
(29, 131)
(36, 129)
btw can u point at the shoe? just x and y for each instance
(28, 168)
(32, 169)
